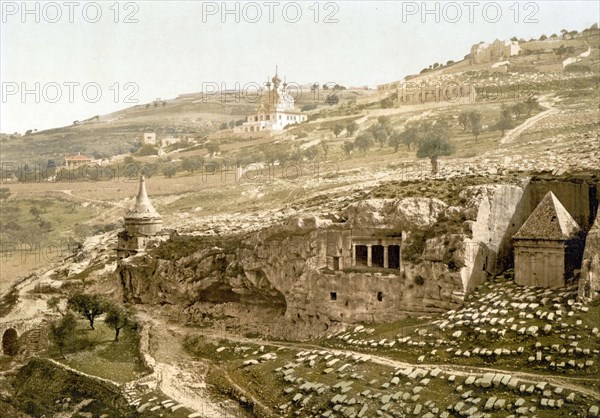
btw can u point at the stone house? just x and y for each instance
(548, 246)
(75, 161)
(149, 138)
(496, 51)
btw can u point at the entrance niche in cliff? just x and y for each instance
(394, 256)
(10, 342)
(361, 255)
(377, 257)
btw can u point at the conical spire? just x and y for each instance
(549, 221)
(143, 208)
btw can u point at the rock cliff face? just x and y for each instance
(589, 281)
(446, 251)
(393, 213)
(498, 211)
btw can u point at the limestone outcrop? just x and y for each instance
(589, 281)
(391, 213)
(285, 268)
(495, 214)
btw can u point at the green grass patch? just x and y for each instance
(96, 353)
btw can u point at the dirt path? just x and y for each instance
(102, 202)
(514, 133)
(180, 377)
(574, 384)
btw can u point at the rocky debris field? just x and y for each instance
(510, 351)
(501, 325)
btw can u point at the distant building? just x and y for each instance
(142, 224)
(275, 112)
(74, 161)
(165, 142)
(482, 52)
(548, 246)
(149, 138)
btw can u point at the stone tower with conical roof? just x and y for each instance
(142, 223)
(548, 246)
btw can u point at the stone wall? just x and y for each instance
(500, 211)
(540, 263)
(589, 282)
(578, 196)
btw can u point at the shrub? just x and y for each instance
(577, 68)
(147, 149)
(419, 280)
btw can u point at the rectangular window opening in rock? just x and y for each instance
(361, 255)
(336, 263)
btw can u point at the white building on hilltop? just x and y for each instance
(496, 51)
(276, 110)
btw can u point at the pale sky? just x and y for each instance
(176, 46)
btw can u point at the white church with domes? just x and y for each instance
(276, 110)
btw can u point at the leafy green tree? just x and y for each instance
(147, 149)
(117, 317)
(410, 135)
(395, 139)
(62, 332)
(505, 121)
(434, 145)
(348, 147)
(54, 305)
(464, 118)
(364, 142)
(380, 133)
(337, 130)
(169, 170)
(519, 109)
(191, 164)
(36, 212)
(88, 306)
(532, 104)
(149, 169)
(331, 99)
(351, 128)
(212, 148)
(312, 152)
(475, 122)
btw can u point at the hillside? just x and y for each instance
(539, 68)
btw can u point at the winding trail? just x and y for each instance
(179, 376)
(102, 202)
(575, 384)
(514, 133)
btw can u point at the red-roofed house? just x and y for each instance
(74, 161)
